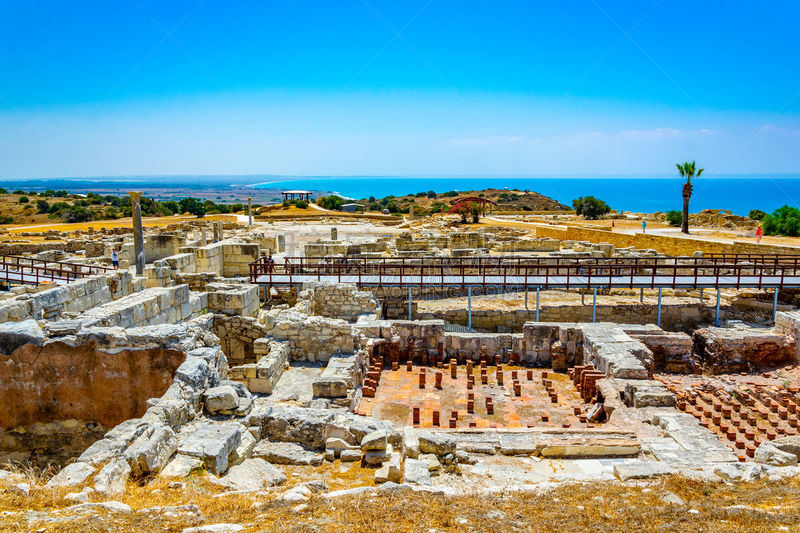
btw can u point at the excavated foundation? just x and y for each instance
(59, 398)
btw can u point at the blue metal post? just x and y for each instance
(594, 306)
(658, 315)
(775, 306)
(409, 303)
(469, 309)
(716, 317)
(537, 304)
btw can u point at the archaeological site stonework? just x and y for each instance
(247, 354)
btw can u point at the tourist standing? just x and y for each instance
(759, 234)
(644, 226)
(115, 259)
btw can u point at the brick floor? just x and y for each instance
(399, 391)
(743, 410)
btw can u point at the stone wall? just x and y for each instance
(237, 336)
(209, 258)
(236, 258)
(310, 338)
(680, 317)
(158, 305)
(337, 300)
(76, 297)
(233, 299)
(788, 323)
(726, 350)
(262, 375)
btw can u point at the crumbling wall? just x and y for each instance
(237, 336)
(311, 338)
(75, 297)
(158, 305)
(726, 350)
(338, 300)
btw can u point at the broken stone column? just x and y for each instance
(334, 234)
(203, 241)
(215, 229)
(221, 236)
(138, 232)
(249, 211)
(281, 244)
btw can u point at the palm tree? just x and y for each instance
(688, 170)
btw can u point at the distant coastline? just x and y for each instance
(736, 193)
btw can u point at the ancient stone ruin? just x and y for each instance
(193, 367)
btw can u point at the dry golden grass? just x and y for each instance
(768, 506)
(110, 224)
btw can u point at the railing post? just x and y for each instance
(594, 306)
(658, 312)
(469, 308)
(537, 304)
(775, 306)
(716, 317)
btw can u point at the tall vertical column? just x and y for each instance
(138, 232)
(249, 211)
(219, 225)
(203, 240)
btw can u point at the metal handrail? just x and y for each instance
(594, 272)
(17, 269)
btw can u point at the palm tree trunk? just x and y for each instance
(685, 219)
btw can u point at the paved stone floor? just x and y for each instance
(399, 392)
(294, 384)
(743, 410)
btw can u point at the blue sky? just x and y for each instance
(413, 87)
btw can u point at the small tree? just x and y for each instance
(475, 210)
(42, 206)
(590, 207)
(687, 170)
(23, 199)
(757, 214)
(674, 218)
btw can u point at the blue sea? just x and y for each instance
(738, 194)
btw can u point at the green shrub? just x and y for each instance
(332, 202)
(674, 218)
(784, 221)
(590, 207)
(3, 191)
(23, 200)
(42, 206)
(5, 219)
(450, 194)
(301, 204)
(757, 214)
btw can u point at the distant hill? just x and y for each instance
(507, 200)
